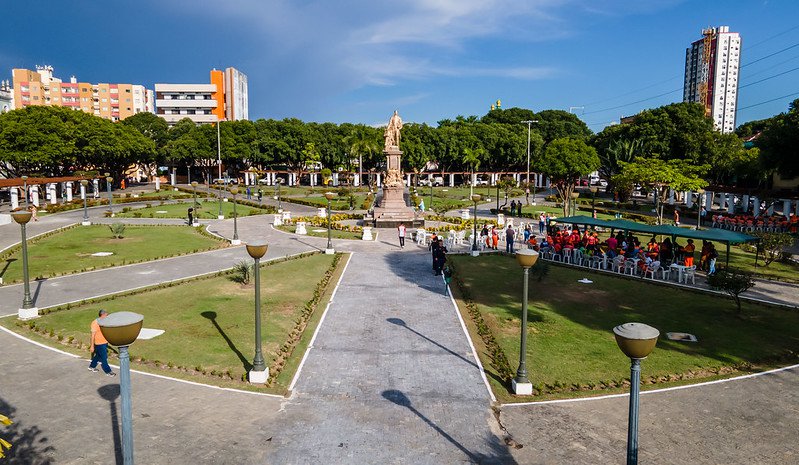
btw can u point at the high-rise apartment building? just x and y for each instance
(225, 98)
(110, 101)
(712, 74)
(6, 97)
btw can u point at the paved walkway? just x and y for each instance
(390, 379)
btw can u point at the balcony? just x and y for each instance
(186, 104)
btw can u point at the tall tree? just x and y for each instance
(565, 160)
(779, 143)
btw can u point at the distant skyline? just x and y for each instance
(357, 61)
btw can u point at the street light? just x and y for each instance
(521, 384)
(25, 183)
(194, 189)
(259, 372)
(529, 128)
(475, 252)
(329, 196)
(593, 190)
(636, 340)
(278, 182)
(108, 181)
(121, 329)
(28, 310)
(83, 184)
(235, 241)
(574, 196)
(701, 193)
(220, 215)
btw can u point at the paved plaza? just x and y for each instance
(390, 378)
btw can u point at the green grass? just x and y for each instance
(334, 233)
(207, 210)
(208, 323)
(165, 191)
(70, 250)
(570, 326)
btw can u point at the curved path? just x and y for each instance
(390, 379)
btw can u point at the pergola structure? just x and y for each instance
(714, 235)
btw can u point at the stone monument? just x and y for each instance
(393, 209)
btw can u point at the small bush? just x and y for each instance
(117, 230)
(242, 273)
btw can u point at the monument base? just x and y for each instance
(522, 389)
(28, 313)
(258, 377)
(330, 251)
(393, 211)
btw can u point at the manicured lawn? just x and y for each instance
(207, 210)
(71, 250)
(571, 343)
(166, 191)
(208, 323)
(315, 231)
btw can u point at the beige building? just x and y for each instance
(225, 98)
(110, 101)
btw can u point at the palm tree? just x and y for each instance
(361, 141)
(471, 157)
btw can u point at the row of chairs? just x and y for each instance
(619, 264)
(749, 224)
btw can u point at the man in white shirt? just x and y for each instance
(401, 232)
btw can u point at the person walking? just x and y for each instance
(527, 195)
(99, 347)
(712, 256)
(676, 217)
(439, 257)
(191, 216)
(512, 207)
(401, 233)
(509, 235)
(542, 223)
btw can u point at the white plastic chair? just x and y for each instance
(690, 272)
(651, 270)
(617, 264)
(629, 267)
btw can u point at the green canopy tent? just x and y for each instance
(715, 235)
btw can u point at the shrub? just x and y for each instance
(732, 281)
(117, 230)
(242, 273)
(772, 245)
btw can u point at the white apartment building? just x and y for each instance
(6, 97)
(712, 75)
(194, 101)
(236, 95)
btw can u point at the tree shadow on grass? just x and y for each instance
(5, 267)
(28, 443)
(212, 317)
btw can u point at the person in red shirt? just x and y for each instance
(688, 253)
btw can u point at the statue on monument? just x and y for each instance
(392, 133)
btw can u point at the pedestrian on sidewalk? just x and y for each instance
(99, 346)
(249, 193)
(439, 257)
(509, 235)
(191, 216)
(512, 207)
(527, 195)
(260, 195)
(34, 217)
(401, 233)
(676, 217)
(542, 223)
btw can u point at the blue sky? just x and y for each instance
(357, 61)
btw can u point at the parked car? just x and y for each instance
(221, 181)
(437, 181)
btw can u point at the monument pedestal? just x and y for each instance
(392, 209)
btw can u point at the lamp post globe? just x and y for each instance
(521, 385)
(27, 311)
(194, 191)
(108, 181)
(83, 192)
(121, 329)
(259, 372)
(329, 196)
(475, 250)
(636, 341)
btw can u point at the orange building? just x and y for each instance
(110, 101)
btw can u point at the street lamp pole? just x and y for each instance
(236, 240)
(574, 196)
(329, 196)
(475, 250)
(108, 181)
(701, 193)
(28, 310)
(121, 329)
(636, 340)
(259, 372)
(220, 215)
(521, 384)
(25, 183)
(529, 128)
(83, 184)
(593, 190)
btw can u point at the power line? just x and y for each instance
(633, 103)
(770, 55)
(772, 37)
(771, 67)
(770, 77)
(632, 91)
(767, 101)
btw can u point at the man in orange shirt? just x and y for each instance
(688, 252)
(99, 347)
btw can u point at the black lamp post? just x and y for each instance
(329, 196)
(236, 240)
(574, 196)
(84, 193)
(25, 183)
(259, 372)
(521, 384)
(194, 192)
(475, 250)
(220, 215)
(636, 340)
(108, 181)
(28, 310)
(593, 190)
(431, 195)
(699, 200)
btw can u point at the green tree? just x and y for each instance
(779, 142)
(732, 281)
(773, 245)
(559, 124)
(472, 157)
(661, 176)
(565, 160)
